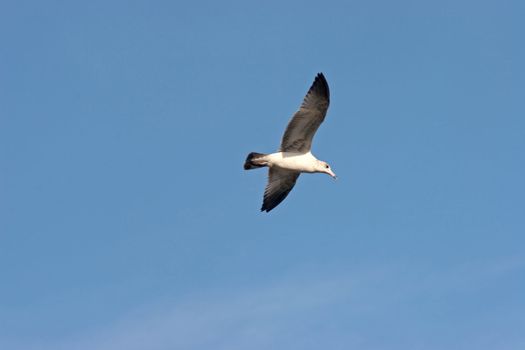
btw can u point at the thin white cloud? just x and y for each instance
(253, 318)
(294, 312)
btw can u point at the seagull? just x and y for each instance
(294, 156)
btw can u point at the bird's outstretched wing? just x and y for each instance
(280, 183)
(305, 122)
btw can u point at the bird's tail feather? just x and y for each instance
(255, 160)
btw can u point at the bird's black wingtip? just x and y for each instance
(320, 86)
(321, 78)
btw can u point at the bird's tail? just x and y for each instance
(255, 160)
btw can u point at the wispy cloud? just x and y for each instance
(252, 318)
(322, 307)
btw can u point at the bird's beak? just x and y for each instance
(331, 173)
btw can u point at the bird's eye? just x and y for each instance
(327, 166)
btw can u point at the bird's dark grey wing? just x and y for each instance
(280, 183)
(305, 122)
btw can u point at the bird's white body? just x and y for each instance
(302, 162)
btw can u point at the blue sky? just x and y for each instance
(127, 221)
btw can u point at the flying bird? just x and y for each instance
(294, 156)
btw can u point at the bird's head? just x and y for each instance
(323, 167)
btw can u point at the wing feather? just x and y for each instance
(305, 122)
(280, 183)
